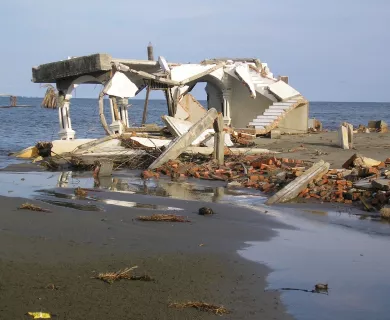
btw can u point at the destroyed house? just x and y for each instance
(245, 91)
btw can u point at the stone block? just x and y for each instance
(276, 134)
(343, 137)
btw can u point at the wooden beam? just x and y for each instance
(145, 114)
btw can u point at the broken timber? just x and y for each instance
(293, 189)
(180, 144)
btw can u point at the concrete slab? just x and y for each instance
(282, 90)
(50, 72)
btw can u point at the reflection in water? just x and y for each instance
(72, 205)
(354, 264)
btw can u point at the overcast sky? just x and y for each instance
(333, 50)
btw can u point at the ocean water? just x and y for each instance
(23, 127)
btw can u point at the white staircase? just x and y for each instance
(271, 116)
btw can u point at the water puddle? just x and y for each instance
(72, 205)
(354, 264)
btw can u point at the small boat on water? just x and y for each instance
(13, 102)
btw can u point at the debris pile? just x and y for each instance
(373, 126)
(362, 180)
(201, 306)
(265, 173)
(163, 218)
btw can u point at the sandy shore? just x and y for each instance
(66, 247)
(324, 146)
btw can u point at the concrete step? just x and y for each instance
(260, 123)
(278, 107)
(282, 104)
(267, 117)
(273, 112)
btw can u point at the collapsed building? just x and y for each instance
(244, 91)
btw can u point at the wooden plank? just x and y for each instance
(293, 189)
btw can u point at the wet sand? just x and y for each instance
(67, 247)
(373, 145)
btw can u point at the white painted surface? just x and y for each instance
(63, 146)
(184, 71)
(283, 90)
(242, 71)
(164, 64)
(120, 86)
(179, 127)
(151, 143)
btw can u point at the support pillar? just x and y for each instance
(123, 104)
(116, 125)
(226, 107)
(66, 132)
(219, 140)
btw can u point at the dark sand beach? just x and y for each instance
(64, 248)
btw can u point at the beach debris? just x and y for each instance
(315, 290)
(39, 315)
(385, 212)
(293, 189)
(111, 277)
(52, 286)
(381, 184)
(358, 161)
(103, 167)
(44, 148)
(275, 134)
(314, 125)
(163, 218)
(377, 126)
(204, 211)
(201, 306)
(50, 98)
(144, 277)
(80, 192)
(321, 287)
(32, 207)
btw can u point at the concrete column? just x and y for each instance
(122, 105)
(116, 125)
(66, 132)
(226, 107)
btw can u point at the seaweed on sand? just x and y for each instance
(202, 306)
(163, 218)
(111, 277)
(32, 207)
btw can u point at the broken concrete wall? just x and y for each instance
(243, 108)
(215, 99)
(191, 107)
(295, 121)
